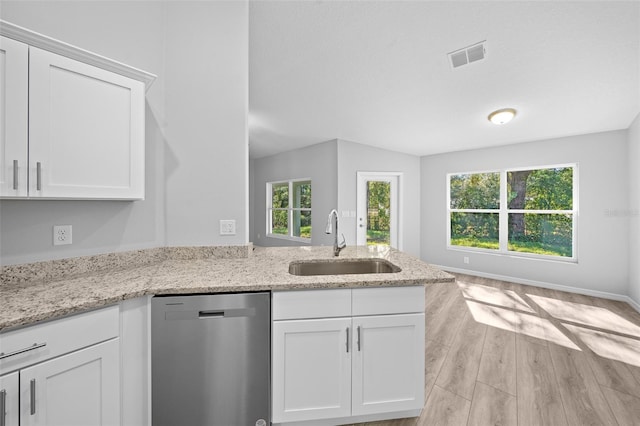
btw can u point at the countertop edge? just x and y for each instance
(54, 314)
(33, 303)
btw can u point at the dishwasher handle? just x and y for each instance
(197, 314)
(227, 313)
(210, 314)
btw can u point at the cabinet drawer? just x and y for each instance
(60, 336)
(304, 304)
(388, 300)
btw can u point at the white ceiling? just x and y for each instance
(377, 73)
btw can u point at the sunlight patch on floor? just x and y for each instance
(494, 296)
(585, 314)
(519, 322)
(609, 345)
(541, 328)
(493, 316)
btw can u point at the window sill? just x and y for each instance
(514, 254)
(289, 238)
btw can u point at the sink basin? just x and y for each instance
(342, 267)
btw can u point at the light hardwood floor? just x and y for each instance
(499, 353)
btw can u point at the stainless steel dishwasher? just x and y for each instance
(210, 359)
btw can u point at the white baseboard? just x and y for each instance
(635, 305)
(595, 293)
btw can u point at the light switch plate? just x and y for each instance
(227, 227)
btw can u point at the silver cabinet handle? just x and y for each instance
(3, 407)
(38, 176)
(347, 339)
(358, 338)
(15, 187)
(32, 388)
(19, 351)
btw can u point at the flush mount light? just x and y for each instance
(502, 116)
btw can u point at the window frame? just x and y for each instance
(503, 215)
(289, 209)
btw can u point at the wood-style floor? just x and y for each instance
(499, 353)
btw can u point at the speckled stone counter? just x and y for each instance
(38, 296)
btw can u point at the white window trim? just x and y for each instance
(503, 212)
(289, 209)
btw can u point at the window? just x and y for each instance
(474, 205)
(524, 211)
(289, 210)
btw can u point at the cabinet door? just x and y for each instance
(311, 369)
(9, 404)
(14, 63)
(77, 389)
(86, 130)
(388, 363)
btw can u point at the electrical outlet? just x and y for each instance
(466, 260)
(62, 235)
(228, 227)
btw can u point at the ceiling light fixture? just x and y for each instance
(502, 116)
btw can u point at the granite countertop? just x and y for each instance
(42, 297)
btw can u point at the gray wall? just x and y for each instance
(196, 133)
(207, 158)
(353, 158)
(128, 32)
(332, 166)
(317, 162)
(634, 210)
(603, 239)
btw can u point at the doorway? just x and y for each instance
(378, 209)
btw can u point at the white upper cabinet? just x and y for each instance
(86, 117)
(86, 130)
(14, 89)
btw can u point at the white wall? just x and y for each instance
(634, 211)
(130, 32)
(603, 239)
(353, 158)
(317, 162)
(207, 160)
(196, 128)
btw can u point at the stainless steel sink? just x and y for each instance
(342, 267)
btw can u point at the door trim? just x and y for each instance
(396, 199)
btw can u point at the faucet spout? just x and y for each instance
(336, 246)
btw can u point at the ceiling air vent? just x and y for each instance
(468, 54)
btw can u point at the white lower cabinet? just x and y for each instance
(348, 368)
(388, 364)
(81, 388)
(311, 369)
(135, 361)
(62, 372)
(9, 399)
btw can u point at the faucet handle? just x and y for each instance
(343, 244)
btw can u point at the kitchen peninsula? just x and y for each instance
(47, 290)
(83, 324)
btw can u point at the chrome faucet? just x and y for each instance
(336, 247)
